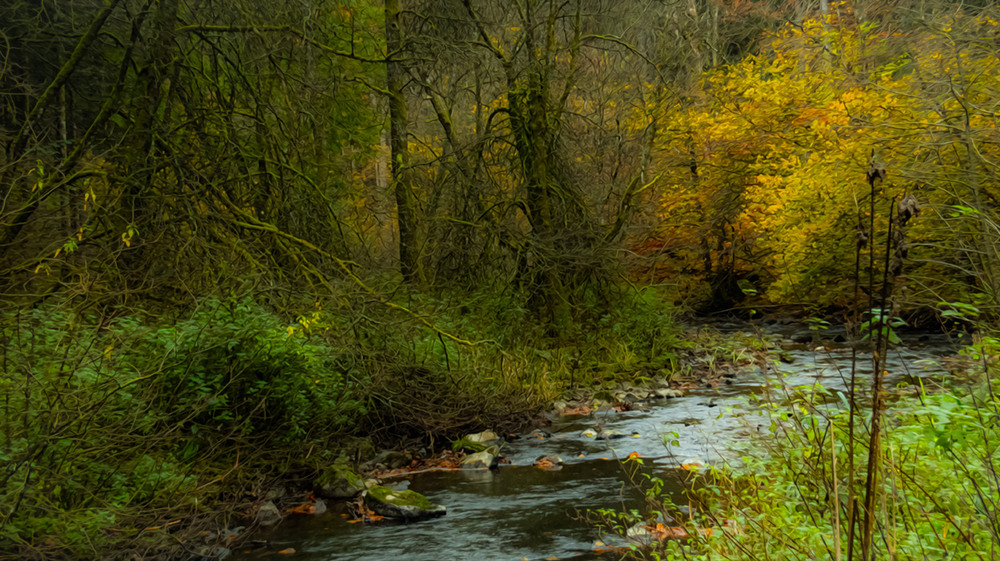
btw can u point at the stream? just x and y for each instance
(522, 512)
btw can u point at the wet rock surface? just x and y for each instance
(339, 482)
(405, 505)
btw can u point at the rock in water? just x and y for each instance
(268, 515)
(402, 505)
(339, 482)
(480, 460)
(485, 436)
(614, 435)
(392, 459)
(549, 462)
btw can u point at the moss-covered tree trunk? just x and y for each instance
(409, 258)
(534, 140)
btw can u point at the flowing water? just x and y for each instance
(522, 512)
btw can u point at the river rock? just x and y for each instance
(639, 532)
(668, 393)
(393, 459)
(614, 435)
(631, 396)
(402, 505)
(549, 462)
(482, 437)
(480, 460)
(660, 380)
(268, 514)
(339, 482)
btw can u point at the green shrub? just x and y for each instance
(237, 369)
(121, 424)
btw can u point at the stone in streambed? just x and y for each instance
(483, 437)
(480, 460)
(549, 462)
(406, 505)
(608, 434)
(631, 396)
(339, 482)
(614, 435)
(268, 514)
(392, 459)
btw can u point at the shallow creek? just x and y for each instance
(522, 512)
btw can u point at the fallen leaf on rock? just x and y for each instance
(662, 532)
(600, 547)
(311, 506)
(362, 513)
(545, 463)
(316, 507)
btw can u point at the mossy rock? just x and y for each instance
(402, 505)
(339, 482)
(467, 445)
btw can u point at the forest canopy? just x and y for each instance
(716, 147)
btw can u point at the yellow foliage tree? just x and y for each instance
(765, 173)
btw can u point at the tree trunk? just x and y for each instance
(409, 264)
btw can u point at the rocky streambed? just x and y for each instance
(532, 505)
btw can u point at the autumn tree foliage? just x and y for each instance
(763, 176)
(536, 149)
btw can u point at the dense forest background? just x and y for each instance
(244, 226)
(545, 148)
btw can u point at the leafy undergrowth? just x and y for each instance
(135, 436)
(790, 497)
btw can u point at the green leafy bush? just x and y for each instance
(121, 424)
(235, 368)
